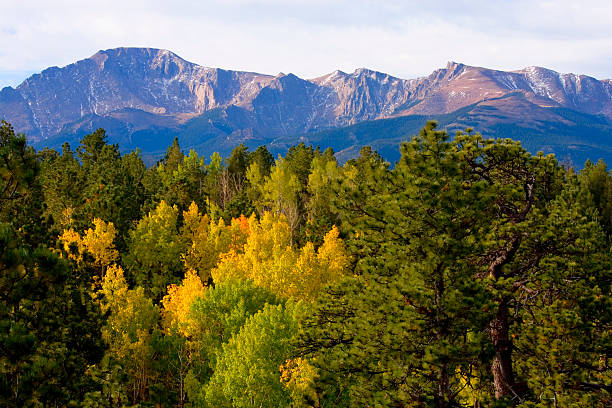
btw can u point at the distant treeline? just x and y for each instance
(470, 273)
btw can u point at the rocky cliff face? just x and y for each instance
(458, 85)
(154, 81)
(123, 83)
(362, 95)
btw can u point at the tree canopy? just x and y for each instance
(469, 273)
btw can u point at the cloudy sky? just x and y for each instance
(312, 37)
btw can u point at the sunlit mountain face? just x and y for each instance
(145, 97)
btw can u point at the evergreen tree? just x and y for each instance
(596, 183)
(49, 323)
(449, 244)
(59, 175)
(263, 158)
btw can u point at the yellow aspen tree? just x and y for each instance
(314, 270)
(114, 287)
(177, 303)
(332, 255)
(239, 231)
(191, 221)
(206, 239)
(305, 274)
(180, 325)
(299, 376)
(270, 261)
(72, 244)
(128, 330)
(99, 242)
(268, 240)
(132, 314)
(199, 253)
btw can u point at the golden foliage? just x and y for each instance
(177, 303)
(66, 217)
(298, 375)
(130, 325)
(98, 242)
(114, 287)
(71, 240)
(269, 260)
(206, 239)
(333, 253)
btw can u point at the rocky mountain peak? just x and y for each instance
(453, 66)
(364, 71)
(99, 58)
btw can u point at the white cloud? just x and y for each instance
(313, 37)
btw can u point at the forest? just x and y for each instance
(470, 273)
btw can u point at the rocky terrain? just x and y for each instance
(144, 97)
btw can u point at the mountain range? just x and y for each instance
(145, 97)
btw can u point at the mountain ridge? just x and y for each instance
(119, 87)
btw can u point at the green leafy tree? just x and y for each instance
(154, 251)
(281, 193)
(259, 168)
(215, 318)
(247, 373)
(214, 171)
(321, 217)
(255, 178)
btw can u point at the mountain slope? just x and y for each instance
(154, 81)
(144, 97)
(572, 136)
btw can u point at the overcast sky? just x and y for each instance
(313, 37)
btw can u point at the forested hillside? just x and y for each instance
(470, 273)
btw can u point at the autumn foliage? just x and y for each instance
(270, 261)
(470, 273)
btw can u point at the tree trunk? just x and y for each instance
(503, 378)
(443, 388)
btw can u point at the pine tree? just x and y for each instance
(449, 245)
